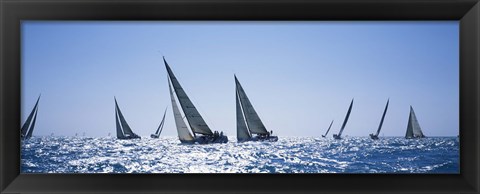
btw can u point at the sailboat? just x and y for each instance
(248, 121)
(338, 136)
(413, 127)
(201, 132)
(123, 130)
(27, 128)
(328, 129)
(375, 136)
(160, 127)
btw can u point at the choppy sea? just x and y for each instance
(288, 155)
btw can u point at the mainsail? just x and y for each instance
(195, 120)
(27, 128)
(346, 119)
(123, 129)
(160, 127)
(383, 117)
(183, 133)
(254, 123)
(242, 130)
(413, 127)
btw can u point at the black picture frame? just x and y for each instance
(12, 12)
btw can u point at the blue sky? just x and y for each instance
(298, 75)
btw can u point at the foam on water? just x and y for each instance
(288, 155)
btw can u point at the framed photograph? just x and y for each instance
(279, 96)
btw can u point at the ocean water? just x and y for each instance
(288, 155)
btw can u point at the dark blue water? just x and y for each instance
(288, 155)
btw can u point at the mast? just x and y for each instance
(195, 120)
(383, 117)
(346, 118)
(328, 128)
(254, 123)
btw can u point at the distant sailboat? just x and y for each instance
(339, 135)
(328, 129)
(27, 128)
(123, 130)
(413, 127)
(248, 121)
(195, 120)
(375, 136)
(160, 127)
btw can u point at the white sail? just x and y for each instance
(182, 130)
(413, 127)
(242, 131)
(254, 123)
(195, 120)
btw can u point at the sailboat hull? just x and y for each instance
(154, 136)
(375, 137)
(259, 138)
(130, 137)
(187, 141)
(265, 138)
(415, 137)
(211, 139)
(243, 140)
(335, 136)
